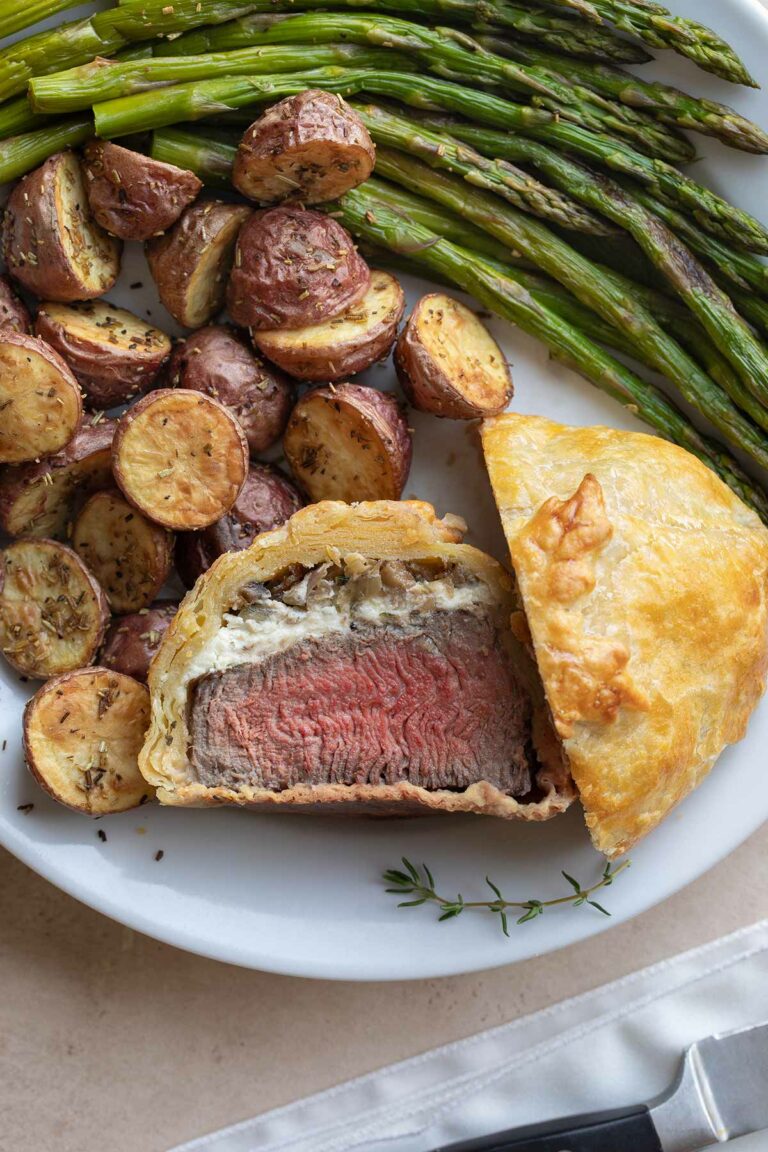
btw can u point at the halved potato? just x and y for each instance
(82, 736)
(218, 360)
(293, 268)
(449, 364)
(180, 457)
(129, 555)
(131, 641)
(310, 147)
(190, 263)
(114, 354)
(132, 195)
(13, 311)
(348, 442)
(350, 343)
(267, 499)
(40, 402)
(53, 613)
(41, 499)
(51, 243)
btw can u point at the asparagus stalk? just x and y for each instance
(20, 154)
(19, 14)
(212, 161)
(449, 54)
(368, 217)
(212, 97)
(693, 113)
(16, 116)
(72, 43)
(537, 25)
(657, 27)
(703, 296)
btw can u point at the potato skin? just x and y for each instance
(267, 500)
(82, 733)
(310, 147)
(218, 361)
(133, 196)
(40, 399)
(180, 457)
(111, 367)
(448, 363)
(14, 313)
(53, 614)
(191, 262)
(132, 640)
(55, 253)
(342, 347)
(349, 442)
(40, 498)
(294, 267)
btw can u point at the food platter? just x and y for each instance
(304, 896)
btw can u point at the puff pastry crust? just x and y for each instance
(407, 530)
(645, 586)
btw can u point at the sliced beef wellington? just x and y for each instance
(358, 658)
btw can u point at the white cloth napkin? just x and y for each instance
(619, 1044)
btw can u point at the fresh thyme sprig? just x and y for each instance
(420, 884)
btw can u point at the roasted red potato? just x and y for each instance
(114, 354)
(267, 500)
(310, 147)
(293, 268)
(218, 361)
(180, 457)
(41, 499)
(131, 641)
(350, 443)
(40, 402)
(82, 736)
(14, 313)
(130, 556)
(190, 263)
(336, 349)
(449, 364)
(51, 243)
(134, 196)
(53, 613)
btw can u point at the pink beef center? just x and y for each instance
(437, 704)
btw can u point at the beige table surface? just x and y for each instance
(105, 1031)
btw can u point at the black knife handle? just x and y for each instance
(622, 1130)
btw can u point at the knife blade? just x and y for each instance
(720, 1093)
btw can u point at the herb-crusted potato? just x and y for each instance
(14, 313)
(449, 364)
(219, 361)
(349, 442)
(309, 147)
(114, 354)
(51, 243)
(53, 613)
(338, 348)
(266, 501)
(82, 736)
(40, 401)
(292, 268)
(180, 457)
(132, 640)
(41, 498)
(129, 555)
(134, 196)
(191, 262)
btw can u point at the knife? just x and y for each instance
(721, 1092)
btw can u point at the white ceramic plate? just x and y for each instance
(304, 895)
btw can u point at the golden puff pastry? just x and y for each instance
(644, 581)
(358, 658)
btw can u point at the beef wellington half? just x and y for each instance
(358, 658)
